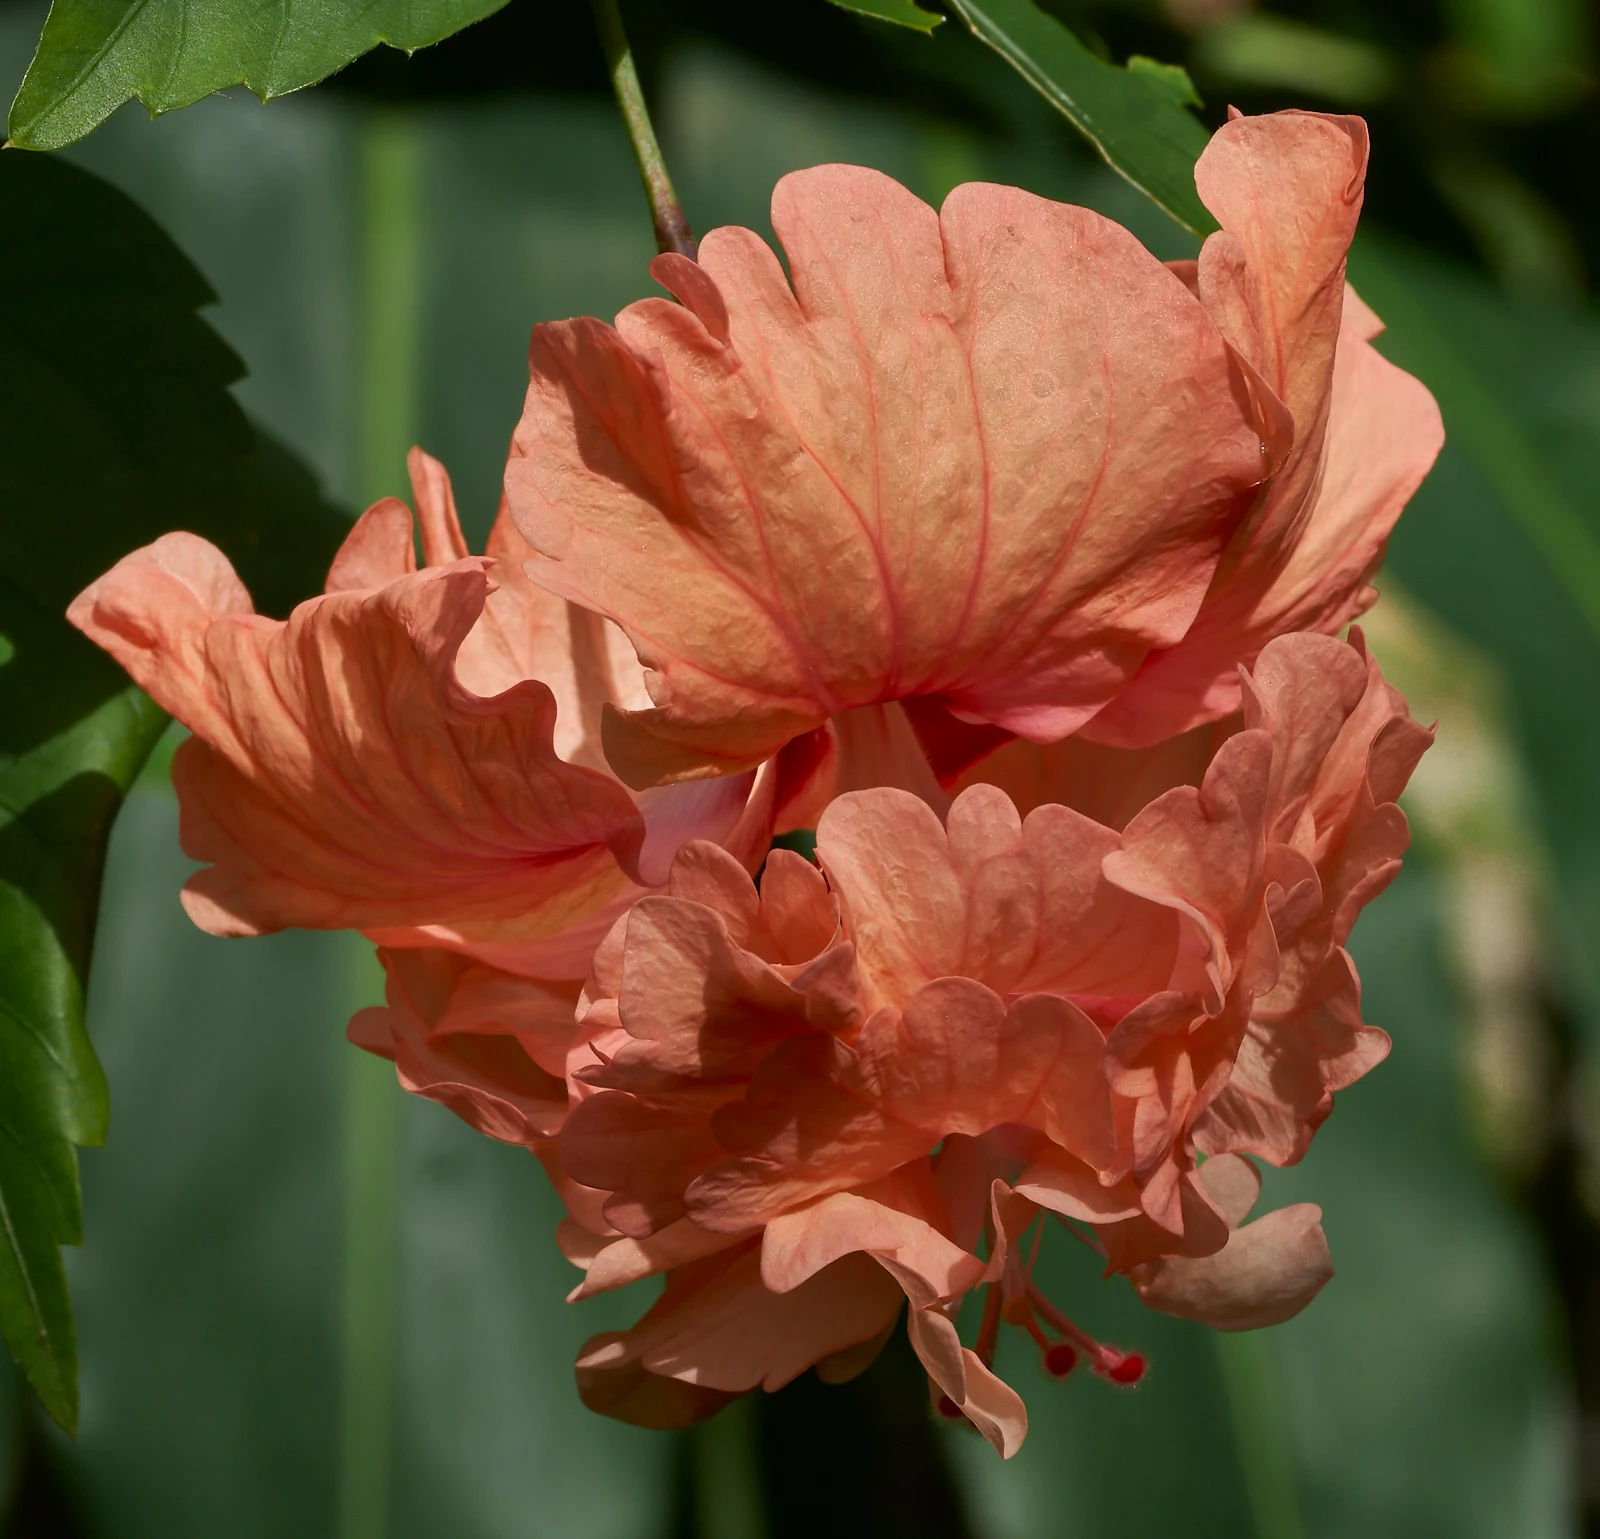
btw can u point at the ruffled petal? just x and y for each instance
(822, 1116)
(1108, 785)
(1020, 906)
(489, 1046)
(718, 1327)
(1200, 851)
(747, 482)
(1287, 190)
(797, 1245)
(987, 1401)
(340, 775)
(527, 632)
(617, 1263)
(1073, 1188)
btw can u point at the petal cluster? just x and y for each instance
(996, 459)
(1012, 561)
(906, 1055)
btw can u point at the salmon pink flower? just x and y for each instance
(1009, 558)
(862, 1085)
(995, 461)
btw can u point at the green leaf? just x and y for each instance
(116, 425)
(94, 55)
(902, 12)
(1135, 116)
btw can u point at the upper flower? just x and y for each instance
(989, 457)
(990, 454)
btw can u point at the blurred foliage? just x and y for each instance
(115, 426)
(1484, 113)
(901, 12)
(1472, 813)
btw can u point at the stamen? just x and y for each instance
(1110, 1363)
(989, 1329)
(1016, 1299)
(1128, 1368)
(1033, 1253)
(1059, 1360)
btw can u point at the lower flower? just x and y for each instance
(863, 1085)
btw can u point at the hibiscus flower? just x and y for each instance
(1012, 561)
(997, 462)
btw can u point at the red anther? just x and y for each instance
(1123, 1367)
(1016, 1310)
(1060, 1359)
(948, 1409)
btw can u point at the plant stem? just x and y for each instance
(389, 373)
(672, 229)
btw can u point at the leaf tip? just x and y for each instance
(900, 13)
(1170, 79)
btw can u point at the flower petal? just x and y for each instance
(1070, 1187)
(718, 1327)
(1019, 906)
(632, 1258)
(797, 1245)
(1200, 851)
(616, 1385)
(481, 1043)
(822, 1116)
(528, 633)
(1267, 1273)
(1287, 191)
(340, 775)
(988, 1402)
(1108, 785)
(754, 505)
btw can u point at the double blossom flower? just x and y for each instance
(1012, 561)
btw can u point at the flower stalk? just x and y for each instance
(672, 229)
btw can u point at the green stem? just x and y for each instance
(371, 1197)
(1266, 1460)
(389, 381)
(391, 285)
(672, 229)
